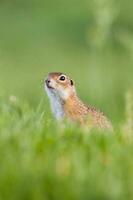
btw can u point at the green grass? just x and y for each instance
(41, 160)
(91, 41)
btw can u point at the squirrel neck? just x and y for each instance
(74, 107)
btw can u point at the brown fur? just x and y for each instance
(75, 109)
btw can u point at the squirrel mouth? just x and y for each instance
(47, 84)
(50, 87)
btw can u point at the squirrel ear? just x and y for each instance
(71, 82)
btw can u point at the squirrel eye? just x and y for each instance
(62, 78)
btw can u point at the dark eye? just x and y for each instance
(62, 78)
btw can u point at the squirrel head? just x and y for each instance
(60, 85)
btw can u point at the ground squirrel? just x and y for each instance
(66, 104)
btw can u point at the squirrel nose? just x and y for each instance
(47, 81)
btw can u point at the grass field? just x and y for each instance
(42, 160)
(91, 41)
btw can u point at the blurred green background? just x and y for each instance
(92, 41)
